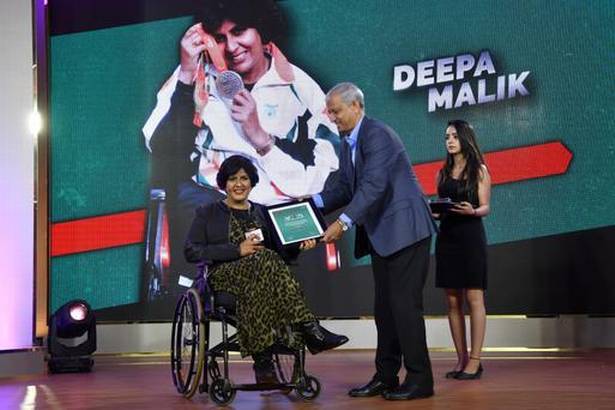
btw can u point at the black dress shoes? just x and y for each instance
(408, 391)
(318, 339)
(373, 388)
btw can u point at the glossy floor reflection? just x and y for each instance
(556, 380)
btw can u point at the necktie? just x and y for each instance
(351, 169)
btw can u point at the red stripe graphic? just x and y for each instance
(99, 232)
(127, 228)
(511, 165)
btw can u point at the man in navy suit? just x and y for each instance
(382, 198)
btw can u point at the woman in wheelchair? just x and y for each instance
(233, 237)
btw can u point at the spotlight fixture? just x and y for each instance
(72, 338)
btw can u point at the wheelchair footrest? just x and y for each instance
(232, 345)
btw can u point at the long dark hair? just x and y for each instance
(471, 153)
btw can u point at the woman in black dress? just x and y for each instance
(234, 238)
(461, 245)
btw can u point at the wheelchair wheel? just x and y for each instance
(221, 392)
(308, 388)
(187, 344)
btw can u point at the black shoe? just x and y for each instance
(408, 392)
(318, 339)
(471, 376)
(452, 374)
(264, 372)
(373, 388)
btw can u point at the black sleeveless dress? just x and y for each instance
(461, 245)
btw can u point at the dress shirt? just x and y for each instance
(352, 139)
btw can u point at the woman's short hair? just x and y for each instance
(263, 15)
(233, 165)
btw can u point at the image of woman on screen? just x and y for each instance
(233, 238)
(461, 245)
(275, 119)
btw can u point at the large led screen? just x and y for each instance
(533, 78)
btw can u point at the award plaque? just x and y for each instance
(296, 221)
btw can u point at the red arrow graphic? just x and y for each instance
(510, 165)
(99, 232)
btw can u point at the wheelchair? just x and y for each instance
(197, 366)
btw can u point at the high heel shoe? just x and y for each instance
(461, 364)
(452, 374)
(471, 376)
(317, 338)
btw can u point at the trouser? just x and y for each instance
(398, 309)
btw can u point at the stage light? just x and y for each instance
(78, 312)
(72, 338)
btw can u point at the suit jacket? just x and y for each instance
(380, 192)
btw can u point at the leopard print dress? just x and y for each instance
(269, 298)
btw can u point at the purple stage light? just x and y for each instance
(78, 312)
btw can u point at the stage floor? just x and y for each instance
(528, 380)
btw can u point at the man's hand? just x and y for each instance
(190, 47)
(250, 246)
(245, 113)
(333, 233)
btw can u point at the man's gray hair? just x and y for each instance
(348, 93)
